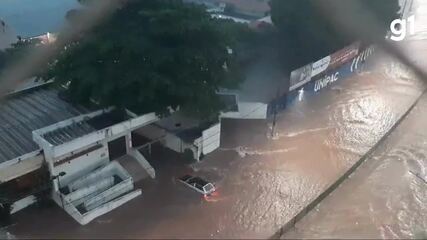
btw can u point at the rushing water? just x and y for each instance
(264, 180)
(386, 198)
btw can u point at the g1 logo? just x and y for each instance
(399, 28)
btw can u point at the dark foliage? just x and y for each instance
(148, 56)
(307, 34)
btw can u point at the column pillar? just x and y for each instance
(128, 142)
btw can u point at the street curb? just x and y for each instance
(291, 223)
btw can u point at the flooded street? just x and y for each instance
(262, 181)
(384, 198)
(266, 176)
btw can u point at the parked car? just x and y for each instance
(198, 184)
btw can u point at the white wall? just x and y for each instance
(173, 142)
(23, 203)
(176, 144)
(81, 165)
(20, 168)
(248, 110)
(211, 138)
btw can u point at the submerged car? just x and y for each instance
(198, 184)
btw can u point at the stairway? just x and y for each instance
(137, 166)
(102, 190)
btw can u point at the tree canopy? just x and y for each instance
(308, 34)
(150, 55)
(16, 52)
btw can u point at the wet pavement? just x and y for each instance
(264, 180)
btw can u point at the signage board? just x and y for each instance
(300, 77)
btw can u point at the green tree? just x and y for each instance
(148, 56)
(16, 52)
(308, 34)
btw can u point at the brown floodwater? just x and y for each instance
(262, 181)
(265, 179)
(386, 197)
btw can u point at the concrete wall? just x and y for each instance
(85, 161)
(81, 165)
(211, 139)
(99, 186)
(23, 203)
(15, 168)
(176, 144)
(98, 193)
(143, 162)
(248, 110)
(105, 171)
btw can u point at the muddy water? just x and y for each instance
(263, 179)
(386, 198)
(314, 143)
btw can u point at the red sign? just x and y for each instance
(344, 55)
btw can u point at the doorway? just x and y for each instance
(117, 148)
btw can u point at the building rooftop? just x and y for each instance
(84, 127)
(67, 134)
(24, 112)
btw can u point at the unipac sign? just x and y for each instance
(326, 81)
(307, 73)
(337, 74)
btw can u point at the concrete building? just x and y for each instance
(182, 134)
(38, 128)
(42, 132)
(88, 154)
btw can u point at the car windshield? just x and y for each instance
(209, 187)
(198, 181)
